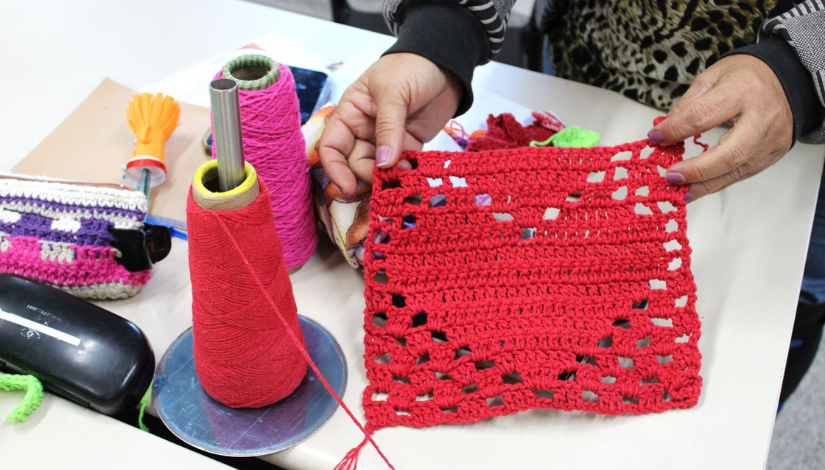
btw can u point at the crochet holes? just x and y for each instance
(390, 184)
(587, 360)
(439, 200)
(663, 322)
(400, 380)
(575, 197)
(438, 336)
(424, 397)
(512, 378)
(380, 396)
(382, 237)
(495, 401)
(645, 153)
(414, 200)
(606, 342)
(452, 409)
(620, 173)
(483, 199)
(649, 380)
(462, 351)
(423, 359)
(657, 284)
(435, 182)
(400, 341)
(666, 207)
(442, 376)
(481, 365)
(675, 264)
(664, 359)
(402, 413)
(681, 302)
(528, 233)
(608, 379)
(622, 156)
(641, 209)
(419, 319)
(621, 323)
(643, 343)
(458, 182)
(626, 362)
(472, 388)
(620, 194)
(640, 305)
(666, 397)
(413, 163)
(626, 400)
(588, 396)
(662, 171)
(671, 226)
(644, 191)
(379, 319)
(672, 245)
(399, 301)
(408, 221)
(596, 176)
(568, 375)
(503, 216)
(383, 359)
(552, 213)
(380, 277)
(682, 339)
(544, 394)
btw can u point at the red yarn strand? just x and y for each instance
(351, 457)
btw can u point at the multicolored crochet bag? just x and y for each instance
(87, 239)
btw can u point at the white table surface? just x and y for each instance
(749, 247)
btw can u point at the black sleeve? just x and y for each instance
(795, 79)
(447, 34)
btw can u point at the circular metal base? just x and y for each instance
(206, 424)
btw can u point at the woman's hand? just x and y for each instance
(744, 92)
(402, 101)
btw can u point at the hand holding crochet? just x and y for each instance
(399, 103)
(744, 92)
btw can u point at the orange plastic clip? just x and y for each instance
(152, 119)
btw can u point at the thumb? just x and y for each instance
(390, 118)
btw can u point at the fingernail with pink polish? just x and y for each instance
(383, 156)
(656, 136)
(688, 197)
(675, 178)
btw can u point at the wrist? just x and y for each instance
(448, 35)
(794, 78)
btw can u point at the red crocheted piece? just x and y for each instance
(584, 300)
(504, 132)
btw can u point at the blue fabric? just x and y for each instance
(813, 281)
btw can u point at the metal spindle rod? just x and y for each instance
(226, 134)
(146, 184)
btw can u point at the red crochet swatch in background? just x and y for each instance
(582, 300)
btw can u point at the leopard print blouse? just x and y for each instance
(650, 50)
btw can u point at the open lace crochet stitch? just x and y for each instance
(506, 280)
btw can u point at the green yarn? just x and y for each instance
(570, 137)
(143, 402)
(252, 60)
(32, 399)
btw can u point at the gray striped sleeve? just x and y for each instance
(493, 14)
(803, 27)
